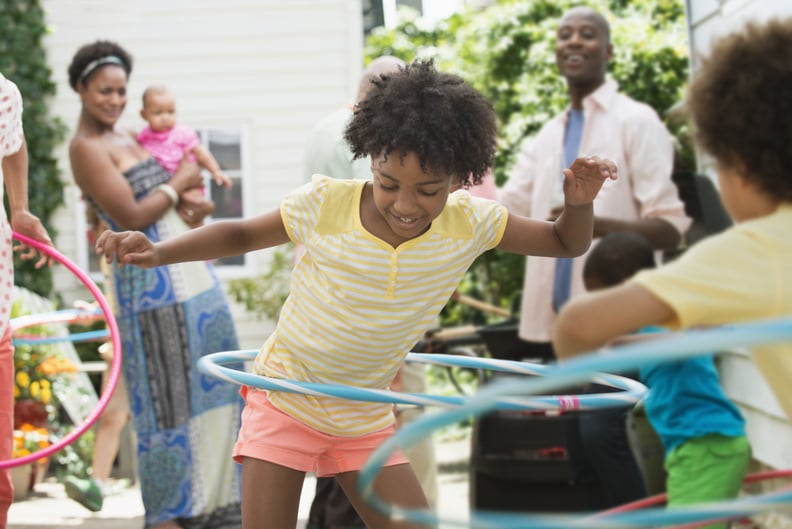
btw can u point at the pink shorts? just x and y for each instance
(270, 435)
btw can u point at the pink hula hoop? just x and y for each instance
(115, 366)
(659, 499)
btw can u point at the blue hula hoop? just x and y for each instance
(631, 390)
(671, 347)
(87, 336)
(57, 316)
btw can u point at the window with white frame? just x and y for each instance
(229, 147)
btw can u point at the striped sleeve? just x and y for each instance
(484, 220)
(492, 217)
(300, 209)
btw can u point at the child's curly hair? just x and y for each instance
(741, 108)
(447, 123)
(95, 51)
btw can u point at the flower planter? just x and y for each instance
(22, 478)
(25, 477)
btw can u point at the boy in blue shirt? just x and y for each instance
(703, 433)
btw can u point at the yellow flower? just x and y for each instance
(23, 379)
(46, 394)
(35, 389)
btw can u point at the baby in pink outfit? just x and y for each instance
(168, 141)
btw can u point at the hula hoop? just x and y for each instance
(87, 336)
(659, 499)
(56, 316)
(674, 346)
(115, 366)
(631, 390)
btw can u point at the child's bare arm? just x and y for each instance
(594, 319)
(214, 241)
(208, 162)
(15, 169)
(570, 234)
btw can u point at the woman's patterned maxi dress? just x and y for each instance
(186, 421)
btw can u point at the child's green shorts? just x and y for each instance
(707, 469)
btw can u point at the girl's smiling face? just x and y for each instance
(406, 197)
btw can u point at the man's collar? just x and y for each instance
(601, 97)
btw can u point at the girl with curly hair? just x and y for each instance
(382, 258)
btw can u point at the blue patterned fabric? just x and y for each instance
(186, 422)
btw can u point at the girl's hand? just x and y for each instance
(127, 247)
(584, 178)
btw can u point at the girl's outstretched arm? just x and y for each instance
(214, 241)
(570, 234)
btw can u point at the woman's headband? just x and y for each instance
(96, 63)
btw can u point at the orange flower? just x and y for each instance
(54, 365)
(29, 439)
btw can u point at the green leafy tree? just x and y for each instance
(507, 52)
(23, 60)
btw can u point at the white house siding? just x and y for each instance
(273, 67)
(710, 19)
(769, 430)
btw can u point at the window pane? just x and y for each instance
(93, 258)
(225, 145)
(228, 202)
(237, 260)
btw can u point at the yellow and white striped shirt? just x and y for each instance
(357, 305)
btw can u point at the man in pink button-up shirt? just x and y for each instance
(643, 199)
